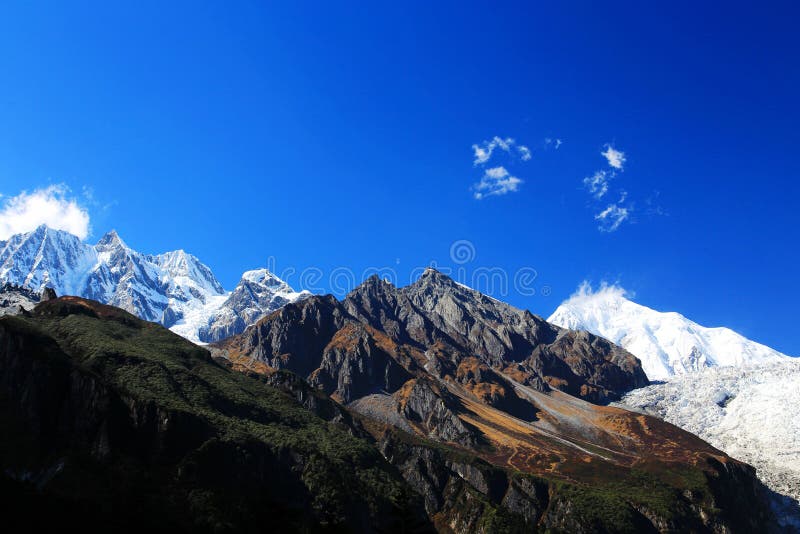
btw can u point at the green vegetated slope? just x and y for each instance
(118, 420)
(111, 422)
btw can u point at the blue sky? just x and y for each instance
(342, 136)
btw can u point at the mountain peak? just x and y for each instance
(373, 287)
(41, 229)
(432, 276)
(605, 293)
(258, 293)
(176, 258)
(261, 276)
(111, 240)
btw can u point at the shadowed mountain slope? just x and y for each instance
(111, 423)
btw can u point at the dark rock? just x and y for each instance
(433, 315)
(425, 403)
(48, 293)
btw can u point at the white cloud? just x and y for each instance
(610, 219)
(483, 152)
(482, 155)
(585, 291)
(50, 205)
(615, 158)
(496, 181)
(597, 184)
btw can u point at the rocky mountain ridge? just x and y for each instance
(435, 324)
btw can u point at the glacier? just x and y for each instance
(751, 412)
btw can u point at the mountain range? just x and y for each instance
(668, 343)
(174, 289)
(448, 410)
(116, 424)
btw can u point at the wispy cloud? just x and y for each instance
(597, 184)
(51, 205)
(549, 142)
(653, 205)
(615, 158)
(610, 219)
(611, 216)
(496, 181)
(483, 152)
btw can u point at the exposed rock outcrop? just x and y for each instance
(19, 300)
(432, 326)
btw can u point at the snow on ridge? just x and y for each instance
(258, 276)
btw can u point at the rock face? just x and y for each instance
(174, 288)
(432, 326)
(158, 435)
(508, 401)
(18, 300)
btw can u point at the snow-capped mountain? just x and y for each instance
(174, 288)
(667, 343)
(46, 258)
(257, 294)
(750, 413)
